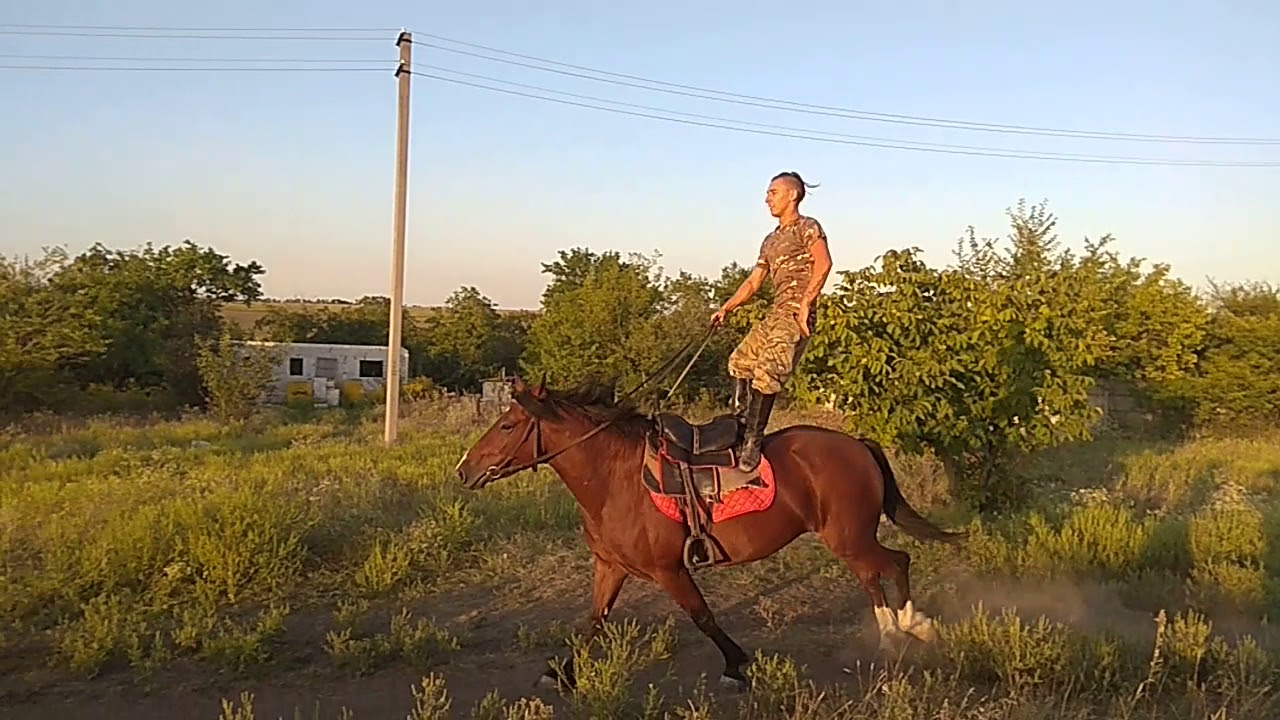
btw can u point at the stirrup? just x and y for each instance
(704, 557)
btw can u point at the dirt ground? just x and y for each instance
(822, 623)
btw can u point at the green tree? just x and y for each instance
(513, 336)
(42, 332)
(681, 316)
(465, 341)
(975, 363)
(1237, 380)
(363, 322)
(606, 317)
(153, 305)
(468, 341)
(592, 307)
(1155, 323)
(572, 268)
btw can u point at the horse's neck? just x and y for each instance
(588, 469)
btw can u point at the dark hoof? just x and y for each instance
(734, 682)
(556, 678)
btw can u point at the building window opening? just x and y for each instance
(370, 368)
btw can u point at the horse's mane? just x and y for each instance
(597, 401)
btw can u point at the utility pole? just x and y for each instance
(403, 73)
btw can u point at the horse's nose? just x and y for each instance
(459, 471)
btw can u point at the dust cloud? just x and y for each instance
(1082, 605)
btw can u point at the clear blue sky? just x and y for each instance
(295, 169)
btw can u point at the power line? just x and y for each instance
(117, 58)
(28, 26)
(791, 129)
(163, 68)
(163, 32)
(955, 150)
(166, 36)
(684, 90)
(811, 108)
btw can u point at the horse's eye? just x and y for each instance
(507, 426)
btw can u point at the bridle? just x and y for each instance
(504, 468)
(534, 426)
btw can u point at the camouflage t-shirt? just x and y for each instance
(786, 256)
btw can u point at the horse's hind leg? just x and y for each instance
(852, 538)
(900, 574)
(868, 568)
(908, 619)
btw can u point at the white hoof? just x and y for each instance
(887, 624)
(897, 627)
(915, 623)
(886, 620)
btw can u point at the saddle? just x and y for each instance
(697, 465)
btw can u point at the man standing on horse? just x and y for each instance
(795, 257)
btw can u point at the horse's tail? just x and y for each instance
(899, 511)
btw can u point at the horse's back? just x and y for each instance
(813, 439)
(823, 478)
(829, 462)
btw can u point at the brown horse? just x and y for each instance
(827, 482)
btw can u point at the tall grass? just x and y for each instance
(991, 667)
(137, 545)
(127, 546)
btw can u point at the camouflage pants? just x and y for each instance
(767, 356)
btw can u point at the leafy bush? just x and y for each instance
(1238, 377)
(235, 375)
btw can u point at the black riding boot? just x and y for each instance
(741, 396)
(758, 408)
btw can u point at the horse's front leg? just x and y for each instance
(605, 586)
(680, 586)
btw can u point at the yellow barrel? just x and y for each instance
(298, 390)
(352, 392)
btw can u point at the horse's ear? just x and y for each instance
(532, 400)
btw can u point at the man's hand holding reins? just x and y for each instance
(717, 318)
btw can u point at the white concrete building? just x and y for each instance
(326, 373)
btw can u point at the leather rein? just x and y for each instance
(534, 427)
